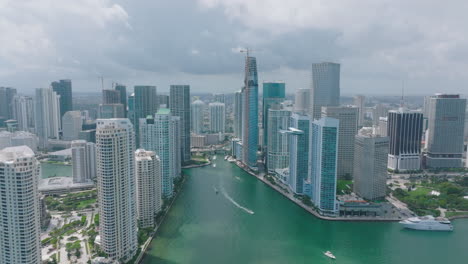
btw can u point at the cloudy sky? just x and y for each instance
(380, 44)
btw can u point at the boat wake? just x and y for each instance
(247, 210)
(238, 178)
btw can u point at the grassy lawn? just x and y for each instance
(420, 191)
(84, 203)
(342, 186)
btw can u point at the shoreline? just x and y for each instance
(309, 209)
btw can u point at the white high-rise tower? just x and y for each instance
(83, 160)
(198, 107)
(47, 115)
(115, 148)
(217, 117)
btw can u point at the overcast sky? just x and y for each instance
(380, 44)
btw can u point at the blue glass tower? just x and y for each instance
(250, 113)
(273, 94)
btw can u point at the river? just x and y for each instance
(248, 222)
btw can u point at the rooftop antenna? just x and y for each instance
(402, 102)
(102, 82)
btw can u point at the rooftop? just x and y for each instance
(13, 153)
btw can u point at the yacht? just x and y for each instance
(329, 254)
(214, 165)
(428, 222)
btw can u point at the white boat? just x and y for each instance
(226, 157)
(428, 222)
(214, 157)
(214, 165)
(329, 254)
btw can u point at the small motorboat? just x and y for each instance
(226, 157)
(216, 190)
(329, 254)
(214, 165)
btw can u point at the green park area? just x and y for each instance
(72, 201)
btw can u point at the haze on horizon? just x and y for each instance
(380, 44)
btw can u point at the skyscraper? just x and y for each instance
(405, 130)
(71, 125)
(19, 211)
(23, 112)
(220, 98)
(47, 115)
(238, 114)
(324, 153)
(6, 98)
(274, 93)
(83, 161)
(160, 134)
(107, 111)
(110, 96)
(198, 108)
(163, 100)
(115, 159)
(250, 113)
(446, 125)
(298, 141)
(122, 89)
(277, 148)
(145, 103)
(348, 117)
(63, 88)
(325, 90)
(148, 187)
(302, 101)
(217, 117)
(180, 106)
(370, 166)
(359, 102)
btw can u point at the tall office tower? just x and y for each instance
(217, 117)
(145, 103)
(131, 108)
(250, 113)
(63, 88)
(379, 111)
(446, 125)
(71, 125)
(325, 90)
(6, 98)
(46, 115)
(277, 148)
(23, 112)
(274, 93)
(163, 100)
(238, 114)
(110, 96)
(324, 150)
(115, 160)
(360, 103)
(370, 166)
(83, 161)
(298, 141)
(122, 89)
(20, 227)
(160, 134)
(348, 117)
(198, 107)
(148, 187)
(302, 101)
(179, 102)
(220, 98)
(405, 130)
(107, 111)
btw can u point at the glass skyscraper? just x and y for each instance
(250, 113)
(64, 89)
(145, 103)
(179, 102)
(325, 90)
(273, 94)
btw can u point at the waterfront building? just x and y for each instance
(160, 134)
(20, 226)
(299, 144)
(348, 117)
(6, 98)
(110, 96)
(115, 160)
(122, 89)
(360, 103)
(63, 88)
(405, 130)
(446, 124)
(145, 103)
(198, 108)
(47, 115)
(238, 114)
(302, 101)
(198, 141)
(107, 111)
(180, 106)
(217, 117)
(277, 148)
(71, 125)
(83, 161)
(274, 93)
(23, 112)
(325, 90)
(323, 156)
(370, 166)
(250, 113)
(148, 187)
